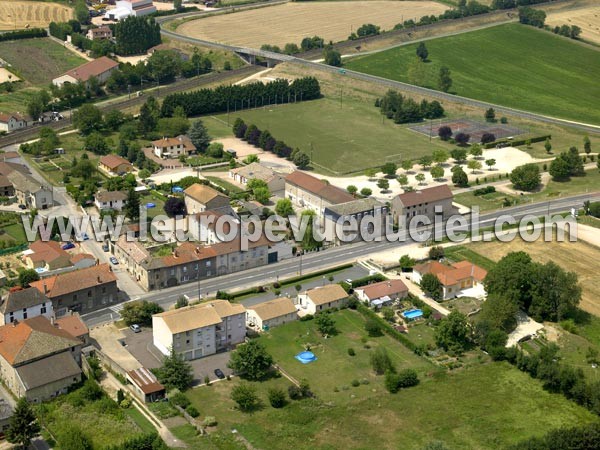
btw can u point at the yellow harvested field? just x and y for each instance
(588, 19)
(578, 257)
(291, 22)
(22, 14)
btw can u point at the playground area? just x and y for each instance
(474, 129)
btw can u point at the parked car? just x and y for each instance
(349, 281)
(85, 237)
(114, 260)
(21, 206)
(68, 246)
(136, 328)
(219, 373)
(105, 247)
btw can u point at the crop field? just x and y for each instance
(38, 61)
(291, 22)
(21, 14)
(512, 65)
(573, 256)
(342, 139)
(588, 19)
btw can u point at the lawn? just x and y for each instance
(454, 408)
(341, 137)
(232, 188)
(461, 253)
(512, 65)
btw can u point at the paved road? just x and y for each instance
(319, 260)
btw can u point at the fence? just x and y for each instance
(11, 250)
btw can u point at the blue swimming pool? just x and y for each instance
(412, 314)
(306, 357)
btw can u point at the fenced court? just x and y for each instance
(474, 129)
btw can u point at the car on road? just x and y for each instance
(105, 247)
(135, 328)
(68, 246)
(114, 260)
(219, 373)
(349, 281)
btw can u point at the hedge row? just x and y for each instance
(296, 280)
(519, 142)
(23, 34)
(389, 329)
(484, 190)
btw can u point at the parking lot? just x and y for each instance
(141, 348)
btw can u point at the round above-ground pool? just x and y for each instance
(306, 357)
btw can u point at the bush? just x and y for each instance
(192, 411)
(209, 421)
(294, 392)
(277, 398)
(373, 328)
(484, 190)
(179, 399)
(351, 352)
(355, 383)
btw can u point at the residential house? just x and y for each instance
(6, 413)
(75, 326)
(173, 147)
(206, 227)
(47, 255)
(189, 261)
(105, 200)
(308, 192)
(21, 304)
(256, 171)
(82, 291)
(38, 360)
(382, 293)
(367, 213)
(114, 165)
(126, 8)
(200, 330)
(322, 298)
(100, 33)
(145, 385)
(30, 192)
(267, 315)
(12, 122)
(201, 197)
(83, 260)
(100, 68)
(6, 187)
(429, 202)
(459, 279)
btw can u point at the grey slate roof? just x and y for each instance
(25, 298)
(47, 370)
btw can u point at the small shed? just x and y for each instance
(145, 385)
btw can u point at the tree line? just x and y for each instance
(267, 142)
(135, 35)
(23, 34)
(233, 97)
(405, 110)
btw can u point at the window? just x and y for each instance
(89, 293)
(207, 263)
(187, 341)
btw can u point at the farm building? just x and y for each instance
(124, 9)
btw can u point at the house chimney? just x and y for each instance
(45, 288)
(175, 253)
(99, 280)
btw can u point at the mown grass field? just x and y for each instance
(342, 139)
(512, 65)
(454, 408)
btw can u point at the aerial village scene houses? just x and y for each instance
(206, 237)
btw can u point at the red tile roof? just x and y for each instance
(92, 68)
(318, 187)
(432, 194)
(451, 275)
(73, 325)
(113, 161)
(77, 280)
(379, 290)
(46, 251)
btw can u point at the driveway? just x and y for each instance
(141, 348)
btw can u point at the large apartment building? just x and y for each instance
(308, 192)
(200, 330)
(430, 202)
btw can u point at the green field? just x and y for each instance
(512, 65)
(342, 139)
(483, 406)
